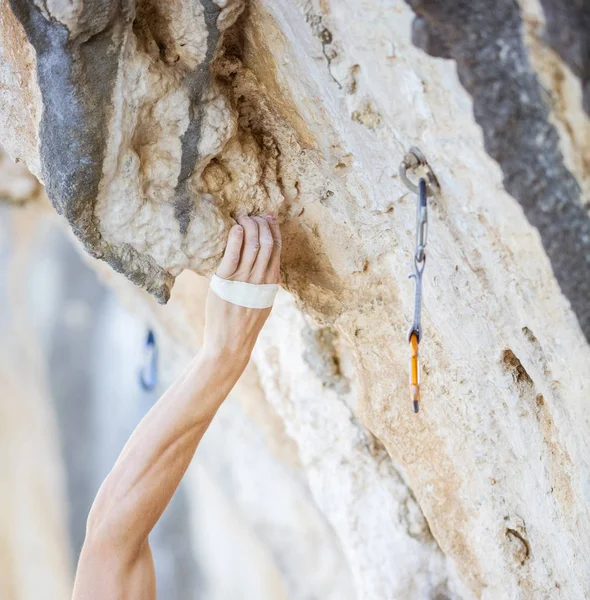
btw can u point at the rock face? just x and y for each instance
(153, 124)
(508, 103)
(128, 111)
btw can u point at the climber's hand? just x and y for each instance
(252, 255)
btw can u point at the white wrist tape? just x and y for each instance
(250, 295)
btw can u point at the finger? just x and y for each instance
(231, 257)
(259, 271)
(274, 265)
(250, 247)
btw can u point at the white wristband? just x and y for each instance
(250, 295)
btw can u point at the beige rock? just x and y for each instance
(313, 107)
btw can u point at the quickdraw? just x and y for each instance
(427, 186)
(148, 372)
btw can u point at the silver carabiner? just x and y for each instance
(421, 221)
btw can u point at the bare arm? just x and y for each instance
(116, 560)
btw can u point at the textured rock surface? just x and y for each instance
(309, 111)
(127, 110)
(508, 103)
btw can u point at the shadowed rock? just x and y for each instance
(91, 136)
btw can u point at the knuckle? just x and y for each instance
(262, 224)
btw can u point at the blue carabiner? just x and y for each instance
(148, 373)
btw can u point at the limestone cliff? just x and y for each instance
(152, 124)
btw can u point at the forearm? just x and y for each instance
(116, 561)
(155, 458)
